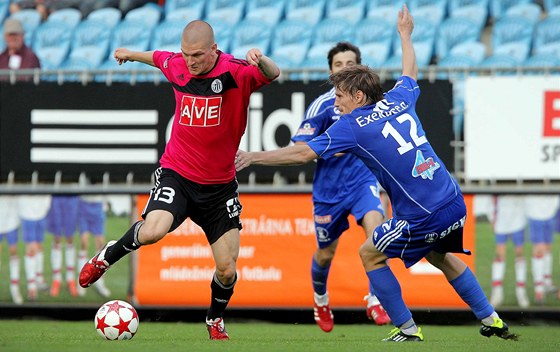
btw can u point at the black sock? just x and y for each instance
(128, 243)
(220, 297)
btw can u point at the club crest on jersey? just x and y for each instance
(217, 86)
(424, 168)
(322, 234)
(200, 111)
(306, 130)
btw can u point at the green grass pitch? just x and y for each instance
(61, 336)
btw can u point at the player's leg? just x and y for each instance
(39, 256)
(518, 239)
(537, 231)
(69, 227)
(54, 226)
(467, 287)
(498, 271)
(12, 237)
(28, 229)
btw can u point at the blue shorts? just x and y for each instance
(62, 219)
(11, 237)
(331, 220)
(541, 231)
(33, 230)
(517, 237)
(91, 218)
(412, 239)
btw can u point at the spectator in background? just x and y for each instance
(17, 55)
(334, 201)
(42, 6)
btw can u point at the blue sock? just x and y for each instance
(388, 291)
(319, 276)
(470, 291)
(371, 289)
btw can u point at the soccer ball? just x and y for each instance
(116, 320)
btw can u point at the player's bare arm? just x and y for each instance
(123, 55)
(293, 155)
(405, 25)
(264, 63)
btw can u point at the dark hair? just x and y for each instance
(341, 47)
(354, 78)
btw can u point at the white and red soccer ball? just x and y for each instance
(116, 320)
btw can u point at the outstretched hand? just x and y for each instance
(405, 22)
(121, 55)
(253, 56)
(242, 160)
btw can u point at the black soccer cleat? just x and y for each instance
(498, 328)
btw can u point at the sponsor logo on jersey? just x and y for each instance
(200, 111)
(323, 219)
(424, 168)
(322, 234)
(306, 130)
(382, 109)
(455, 226)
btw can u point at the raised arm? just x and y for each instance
(405, 25)
(123, 55)
(267, 67)
(292, 155)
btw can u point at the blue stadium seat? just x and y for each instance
(77, 64)
(394, 62)
(230, 11)
(433, 13)
(110, 15)
(269, 11)
(4, 6)
(167, 36)
(547, 37)
(550, 4)
(184, 14)
(475, 52)
(530, 11)
(424, 35)
(327, 33)
(285, 63)
(250, 34)
(131, 34)
(291, 38)
(69, 16)
(499, 62)
(92, 33)
(554, 12)
(351, 10)
(30, 19)
(52, 43)
(541, 61)
(387, 10)
(310, 11)
(93, 55)
(223, 35)
(196, 7)
(475, 10)
(315, 68)
(148, 14)
(513, 35)
(128, 72)
(498, 8)
(453, 31)
(374, 38)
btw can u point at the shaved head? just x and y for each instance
(198, 33)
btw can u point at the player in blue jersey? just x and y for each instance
(334, 201)
(429, 212)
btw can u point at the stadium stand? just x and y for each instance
(223, 35)
(132, 34)
(431, 10)
(374, 38)
(352, 11)
(167, 35)
(230, 11)
(550, 5)
(52, 43)
(250, 34)
(498, 8)
(512, 35)
(183, 14)
(424, 35)
(541, 61)
(547, 37)
(269, 11)
(310, 11)
(291, 39)
(91, 34)
(454, 31)
(30, 19)
(385, 9)
(148, 14)
(499, 64)
(69, 16)
(474, 52)
(475, 10)
(110, 15)
(530, 11)
(327, 33)
(196, 7)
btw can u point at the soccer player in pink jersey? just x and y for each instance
(197, 174)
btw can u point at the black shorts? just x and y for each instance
(215, 208)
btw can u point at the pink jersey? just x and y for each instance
(210, 116)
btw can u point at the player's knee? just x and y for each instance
(370, 255)
(150, 234)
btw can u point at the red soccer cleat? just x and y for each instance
(216, 329)
(323, 317)
(378, 314)
(95, 267)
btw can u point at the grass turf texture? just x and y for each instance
(37, 335)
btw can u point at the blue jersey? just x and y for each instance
(388, 137)
(322, 102)
(328, 181)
